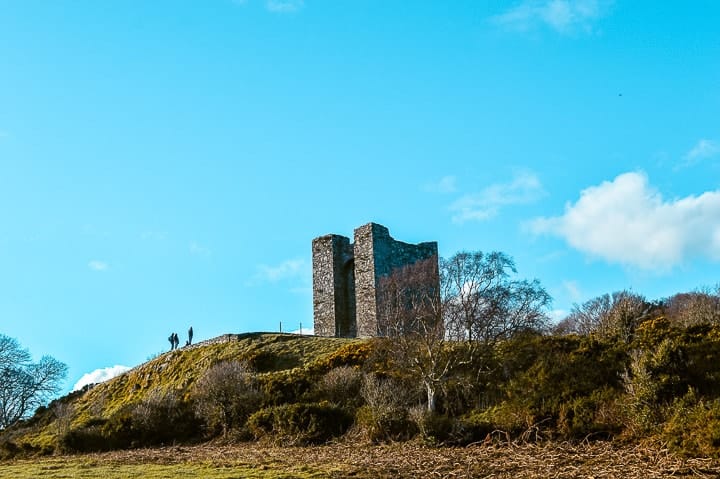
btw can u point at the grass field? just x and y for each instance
(598, 460)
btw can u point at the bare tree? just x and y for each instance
(25, 385)
(482, 304)
(608, 316)
(435, 332)
(411, 317)
(697, 307)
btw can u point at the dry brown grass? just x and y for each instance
(558, 460)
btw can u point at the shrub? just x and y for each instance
(470, 428)
(300, 423)
(226, 395)
(510, 418)
(8, 450)
(433, 427)
(693, 428)
(355, 353)
(385, 413)
(285, 386)
(86, 438)
(341, 386)
(161, 418)
(594, 415)
(266, 361)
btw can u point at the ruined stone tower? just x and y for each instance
(346, 278)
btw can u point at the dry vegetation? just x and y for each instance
(557, 460)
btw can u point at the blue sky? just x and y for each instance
(166, 164)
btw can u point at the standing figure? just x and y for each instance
(176, 340)
(190, 335)
(171, 338)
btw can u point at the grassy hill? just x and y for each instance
(661, 384)
(275, 357)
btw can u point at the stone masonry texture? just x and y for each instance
(346, 278)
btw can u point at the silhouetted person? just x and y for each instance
(190, 335)
(176, 341)
(171, 338)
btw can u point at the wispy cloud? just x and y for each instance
(627, 221)
(284, 6)
(572, 290)
(563, 16)
(702, 150)
(446, 184)
(99, 376)
(523, 189)
(198, 249)
(291, 268)
(97, 265)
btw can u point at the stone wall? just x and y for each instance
(346, 278)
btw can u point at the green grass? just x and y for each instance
(81, 468)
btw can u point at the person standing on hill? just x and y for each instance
(171, 338)
(190, 335)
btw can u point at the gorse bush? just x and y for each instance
(596, 415)
(285, 386)
(355, 353)
(300, 423)
(693, 427)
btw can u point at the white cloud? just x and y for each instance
(564, 16)
(100, 375)
(627, 221)
(306, 331)
(447, 184)
(97, 265)
(284, 6)
(287, 269)
(703, 149)
(524, 188)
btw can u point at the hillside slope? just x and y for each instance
(177, 371)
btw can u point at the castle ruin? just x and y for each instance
(346, 277)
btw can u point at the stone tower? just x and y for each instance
(346, 278)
